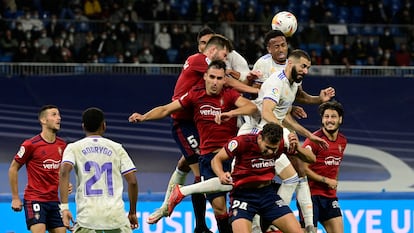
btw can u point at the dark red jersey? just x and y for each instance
(250, 165)
(191, 75)
(42, 160)
(327, 162)
(204, 108)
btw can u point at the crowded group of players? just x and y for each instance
(236, 128)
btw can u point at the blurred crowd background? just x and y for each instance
(377, 32)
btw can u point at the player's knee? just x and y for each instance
(281, 163)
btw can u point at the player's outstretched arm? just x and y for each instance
(292, 124)
(305, 98)
(244, 107)
(241, 87)
(156, 113)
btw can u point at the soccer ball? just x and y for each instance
(285, 22)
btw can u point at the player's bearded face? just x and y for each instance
(331, 121)
(220, 54)
(297, 78)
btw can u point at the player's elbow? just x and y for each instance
(252, 109)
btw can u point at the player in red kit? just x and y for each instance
(42, 155)
(184, 130)
(214, 109)
(254, 158)
(323, 174)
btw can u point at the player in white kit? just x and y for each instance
(275, 100)
(100, 165)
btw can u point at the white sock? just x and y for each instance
(178, 177)
(212, 185)
(256, 228)
(287, 188)
(305, 201)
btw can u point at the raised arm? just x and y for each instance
(292, 124)
(305, 98)
(240, 86)
(244, 107)
(156, 113)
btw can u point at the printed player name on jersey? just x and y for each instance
(97, 150)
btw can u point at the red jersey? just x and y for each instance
(249, 163)
(327, 162)
(191, 75)
(42, 161)
(204, 108)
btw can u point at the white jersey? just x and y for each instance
(237, 62)
(267, 66)
(278, 89)
(100, 164)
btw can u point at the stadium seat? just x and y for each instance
(368, 30)
(337, 47)
(6, 58)
(353, 30)
(315, 46)
(172, 55)
(356, 14)
(110, 59)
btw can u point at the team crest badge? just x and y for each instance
(232, 145)
(275, 91)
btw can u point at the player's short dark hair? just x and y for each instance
(333, 105)
(272, 34)
(272, 132)
(217, 64)
(298, 53)
(44, 108)
(92, 119)
(220, 41)
(204, 31)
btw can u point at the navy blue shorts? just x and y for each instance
(207, 172)
(43, 212)
(245, 203)
(324, 208)
(186, 136)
